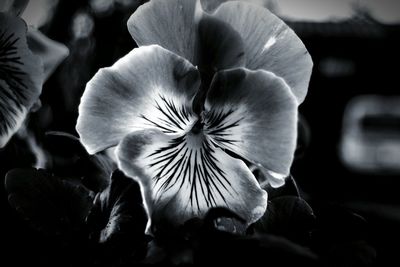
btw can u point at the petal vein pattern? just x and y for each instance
(21, 76)
(183, 176)
(190, 164)
(167, 116)
(150, 87)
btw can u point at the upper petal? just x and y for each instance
(21, 76)
(170, 24)
(149, 88)
(220, 46)
(269, 44)
(182, 27)
(184, 176)
(253, 114)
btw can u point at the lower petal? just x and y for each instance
(182, 178)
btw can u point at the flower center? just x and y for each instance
(188, 163)
(197, 127)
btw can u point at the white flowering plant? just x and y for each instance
(178, 150)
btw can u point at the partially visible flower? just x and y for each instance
(23, 54)
(21, 76)
(183, 131)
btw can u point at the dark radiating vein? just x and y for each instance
(9, 62)
(219, 126)
(177, 164)
(171, 119)
(11, 73)
(191, 168)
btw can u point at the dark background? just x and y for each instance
(369, 49)
(354, 56)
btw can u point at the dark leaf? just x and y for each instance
(337, 224)
(16, 154)
(202, 242)
(251, 251)
(118, 218)
(50, 204)
(96, 171)
(218, 219)
(178, 242)
(64, 144)
(290, 217)
(69, 158)
(41, 116)
(357, 254)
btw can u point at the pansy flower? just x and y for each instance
(23, 54)
(205, 93)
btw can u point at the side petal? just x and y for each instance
(170, 24)
(21, 76)
(52, 53)
(269, 44)
(253, 114)
(181, 180)
(149, 88)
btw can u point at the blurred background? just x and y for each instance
(352, 111)
(349, 130)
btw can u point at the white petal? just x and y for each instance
(184, 176)
(170, 24)
(269, 44)
(253, 114)
(148, 88)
